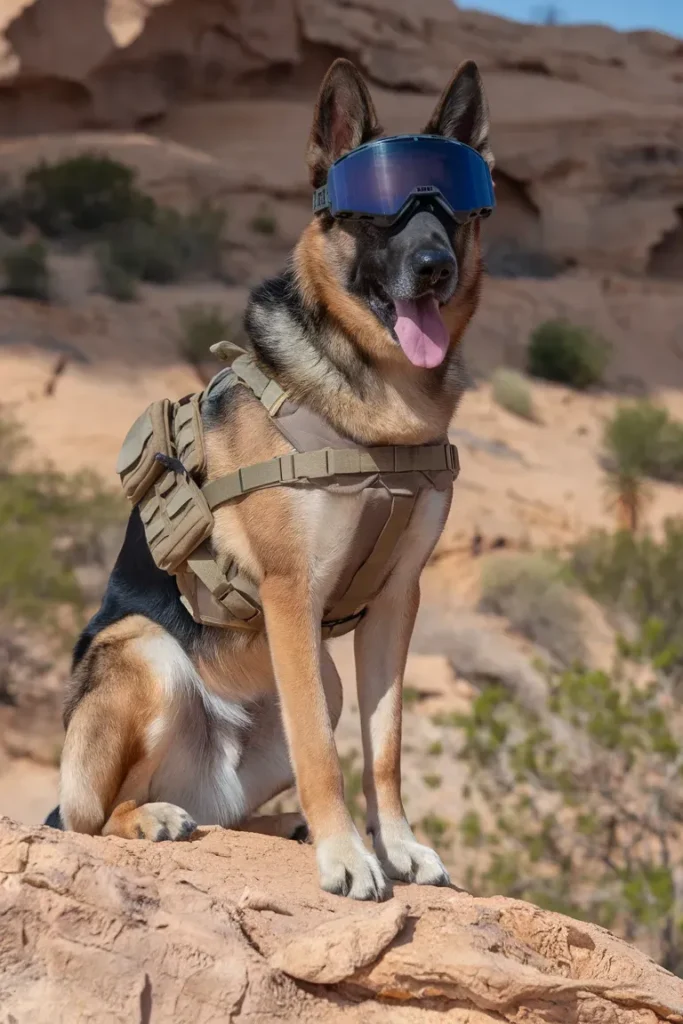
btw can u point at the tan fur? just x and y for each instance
(121, 692)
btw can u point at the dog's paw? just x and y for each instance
(163, 823)
(347, 869)
(410, 861)
(301, 834)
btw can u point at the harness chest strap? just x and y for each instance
(331, 462)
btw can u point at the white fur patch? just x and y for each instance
(199, 738)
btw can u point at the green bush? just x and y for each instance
(170, 246)
(83, 194)
(568, 354)
(264, 222)
(530, 591)
(50, 523)
(26, 271)
(511, 391)
(643, 439)
(12, 214)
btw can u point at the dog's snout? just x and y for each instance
(432, 266)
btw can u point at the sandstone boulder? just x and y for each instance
(587, 127)
(232, 926)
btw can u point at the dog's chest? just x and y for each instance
(334, 528)
(345, 533)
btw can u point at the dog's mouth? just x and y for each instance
(417, 325)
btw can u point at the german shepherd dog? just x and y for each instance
(170, 722)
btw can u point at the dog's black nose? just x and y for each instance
(433, 265)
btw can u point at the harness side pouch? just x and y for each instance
(175, 516)
(137, 464)
(174, 512)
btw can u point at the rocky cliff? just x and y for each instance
(587, 127)
(232, 927)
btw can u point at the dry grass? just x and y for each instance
(512, 392)
(529, 590)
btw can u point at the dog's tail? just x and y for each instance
(54, 819)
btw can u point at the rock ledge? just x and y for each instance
(232, 926)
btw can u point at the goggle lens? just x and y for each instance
(377, 180)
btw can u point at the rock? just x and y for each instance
(586, 120)
(99, 929)
(336, 949)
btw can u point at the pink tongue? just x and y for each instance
(421, 332)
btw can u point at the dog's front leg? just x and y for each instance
(382, 641)
(293, 626)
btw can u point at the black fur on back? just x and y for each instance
(137, 586)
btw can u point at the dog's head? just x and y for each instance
(377, 279)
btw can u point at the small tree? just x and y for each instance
(628, 495)
(642, 438)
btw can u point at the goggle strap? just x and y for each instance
(321, 199)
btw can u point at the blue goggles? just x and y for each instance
(383, 180)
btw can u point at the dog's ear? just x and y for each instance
(344, 118)
(462, 113)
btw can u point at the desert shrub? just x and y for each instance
(201, 327)
(264, 222)
(26, 271)
(83, 194)
(511, 391)
(643, 439)
(199, 236)
(432, 780)
(567, 353)
(640, 578)
(171, 245)
(51, 523)
(113, 279)
(531, 592)
(12, 214)
(591, 826)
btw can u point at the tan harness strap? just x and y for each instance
(330, 462)
(268, 392)
(364, 584)
(238, 595)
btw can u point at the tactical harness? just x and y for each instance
(163, 459)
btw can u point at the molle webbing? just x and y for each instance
(329, 463)
(164, 454)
